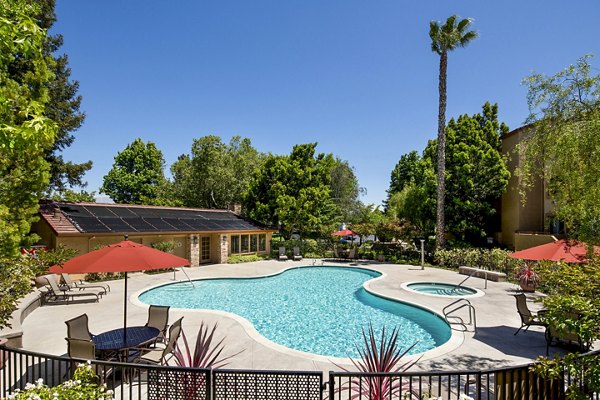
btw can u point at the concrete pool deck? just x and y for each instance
(494, 344)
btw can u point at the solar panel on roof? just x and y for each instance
(89, 225)
(75, 211)
(100, 211)
(178, 224)
(141, 212)
(117, 224)
(139, 224)
(196, 224)
(123, 212)
(160, 224)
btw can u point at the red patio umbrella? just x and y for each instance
(345, 232)
(560, 250)
(125, 256)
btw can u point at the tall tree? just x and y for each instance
(477, 174)
(293, 191)
(25, 132)
(563, 147)
(345, 191)
(63, 106)
(137, 174)
(445, 38)
(216, 174)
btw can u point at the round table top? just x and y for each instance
(124, 338)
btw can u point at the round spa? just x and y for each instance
(442, 289)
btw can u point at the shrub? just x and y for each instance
(167, 247)
(244, 258)
(493, 260)
(82, 386)
(309, 248)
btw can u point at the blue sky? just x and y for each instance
(358, 77)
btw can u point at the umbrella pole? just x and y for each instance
(125, 313)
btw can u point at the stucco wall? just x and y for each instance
(516, 216)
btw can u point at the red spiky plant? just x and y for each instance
(206, 354)
(385, 356)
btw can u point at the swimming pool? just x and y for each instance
(318, 310)
(442, 289)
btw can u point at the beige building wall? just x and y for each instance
(518, 218)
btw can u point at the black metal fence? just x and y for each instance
(138, 381)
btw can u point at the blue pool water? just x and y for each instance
(442, 289)
(318, 310)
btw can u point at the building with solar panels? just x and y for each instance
(200, 235)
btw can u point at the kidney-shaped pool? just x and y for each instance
(318, 310)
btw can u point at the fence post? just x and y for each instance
(331, 385)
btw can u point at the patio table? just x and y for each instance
(112, 341)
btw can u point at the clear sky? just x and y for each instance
(356, 76)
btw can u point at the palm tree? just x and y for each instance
(445, 38)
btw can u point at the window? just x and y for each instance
(262, 242)
(205, 249)
(244, 243)
(235, 244)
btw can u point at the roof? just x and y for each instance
(72, 218)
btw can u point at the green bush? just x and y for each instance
(166, 247)
(309, 248)
(492, 260)
(82, 386)
(244, 258)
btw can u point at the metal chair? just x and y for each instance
(86, 350)
(77, 328)
(528, 318)
(158, 317)
(161, 356)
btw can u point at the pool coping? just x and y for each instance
(455, 340)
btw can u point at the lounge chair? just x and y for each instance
(282, 255)
(160, 356)
(158, 317)
(65, 293)
(297, 255)
(527, 317)
(81, 285)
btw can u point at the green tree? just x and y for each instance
(137, 174)
(476, 173)
(345, 191)
(414, 204)
(63, 106)
(408, 170)
(563, 146)
(293, 191)
(445, 38)
(73, 196)
(26, 133)
(216, 175)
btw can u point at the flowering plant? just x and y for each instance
(527, 276)
(82, 386)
